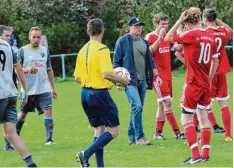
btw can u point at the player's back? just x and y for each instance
(199, 48)
(7, 86)
(222, 35)
(91, 65)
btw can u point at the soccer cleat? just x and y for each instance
(81, 159)
(205, 159)
(143, 142)
(50, 142)
(191, 160)
(9, 148)
(218, 129)
(159, 137)
(228, 139)
(32, 165)
(180, 136)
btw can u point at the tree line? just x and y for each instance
(64, 21)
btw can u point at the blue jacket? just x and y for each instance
(123, 57)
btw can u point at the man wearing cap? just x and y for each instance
(132, 52)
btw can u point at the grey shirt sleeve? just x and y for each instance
(48, 63)
(20, 55)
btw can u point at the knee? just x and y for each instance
(204, 122)
(137, 107)
(99, 131)
(186, 118)
(9, 135)
(114, 132)
(222, 104)
(167, 104)
(48, 113)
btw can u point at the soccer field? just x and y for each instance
(72, 134)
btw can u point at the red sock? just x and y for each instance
(211, 117)
(191, 138)
(172, 120)
(226, 117)
(195, 120)
(205, 142)
(159, 125)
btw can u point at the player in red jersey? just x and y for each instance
(161, 51)
(211, 116)
(219, 89)
(201, 63)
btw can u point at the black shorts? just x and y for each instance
(8, 110)
(99, 107)
(41, 102)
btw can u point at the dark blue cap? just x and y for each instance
(134, 21)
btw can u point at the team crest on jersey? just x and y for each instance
(42, 55)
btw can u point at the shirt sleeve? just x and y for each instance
(20, 55)
(48, 62)
(147, 37)
(77, 72)
(16, 60)
(184, 38)
(118, 54)
(105, 60)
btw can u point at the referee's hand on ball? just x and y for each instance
(125, 81)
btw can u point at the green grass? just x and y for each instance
(73, 133)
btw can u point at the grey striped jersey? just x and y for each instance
(7, 61)
(39, 58)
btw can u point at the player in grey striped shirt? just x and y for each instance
(36, 63)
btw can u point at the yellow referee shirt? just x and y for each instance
(93, 60)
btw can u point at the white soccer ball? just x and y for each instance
(121, 71)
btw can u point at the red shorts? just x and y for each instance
(219, 88)
(164, 91)
(195, 96)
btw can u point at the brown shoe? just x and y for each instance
(143, 142)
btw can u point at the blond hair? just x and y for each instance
(34, 28)
(194, 15)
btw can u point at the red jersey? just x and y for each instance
(161, 56)
(222, 35)
(199, 49)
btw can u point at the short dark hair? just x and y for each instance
(3, 28)
(158, 17)
(194, 15)
(95, 27)
(210, 14)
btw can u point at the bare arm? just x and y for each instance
(23, 82)
(21, 76)
(78, 80)
(173, 30)
(220, 23)
(213, 68)
(177, 54)
(115, 78)
(155, 45)
(51, 80)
